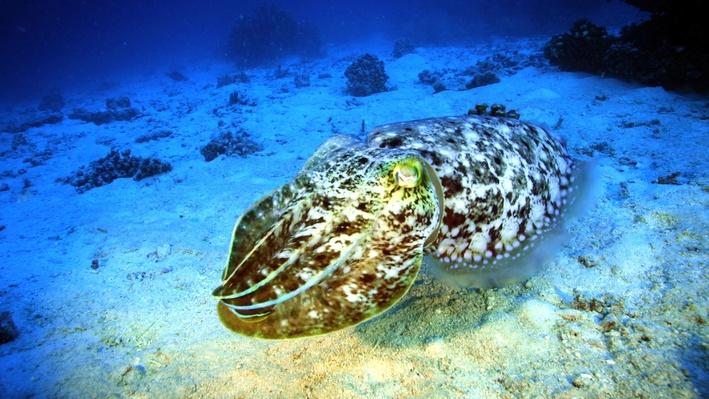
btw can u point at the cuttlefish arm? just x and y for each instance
(340, 244)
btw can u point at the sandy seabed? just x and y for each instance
(619, 312)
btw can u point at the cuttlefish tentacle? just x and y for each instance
(345, 240)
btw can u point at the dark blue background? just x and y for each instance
(73, 43)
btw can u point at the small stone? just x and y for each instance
(94, 264)
(609, 322)
(8, 330)
(581, 381)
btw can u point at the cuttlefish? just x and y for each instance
(346, 238)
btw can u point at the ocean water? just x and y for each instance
(372, 256)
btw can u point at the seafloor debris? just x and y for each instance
(8, 330)
(238, 144)
(160, 134)
(114, 166)
(669, 179)
(402, 47)
(117, 109)
(482, 79)
(484, 72)
(35, 121)
(365, 76)
(581, 49)
(225, 80)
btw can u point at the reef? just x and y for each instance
(581, 49)
(269, 33)
(113, 166)
(668, 49)
(402, 47)
(238, 144)
(117, 109)
(365, 76)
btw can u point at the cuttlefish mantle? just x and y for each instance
(346, 238)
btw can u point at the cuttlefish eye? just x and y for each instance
(408, 173)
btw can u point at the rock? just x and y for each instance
(483, 79)
(8, 330)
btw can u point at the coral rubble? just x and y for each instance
(117, 109)
(239, 144)
(114, 166)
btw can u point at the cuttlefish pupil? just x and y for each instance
(346, 238)
(408, 174)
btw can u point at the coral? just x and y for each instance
(365, 76)
(114, 166)
(268, 34)
(117, 109)
(239, 144)
(482, 79)
(8, 330)
(668, 50)
(53, 101)
(402, 47)
(225, 80)
(581, 49)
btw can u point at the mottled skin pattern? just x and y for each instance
(345, 240)
(504, 182)
(345, 228)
